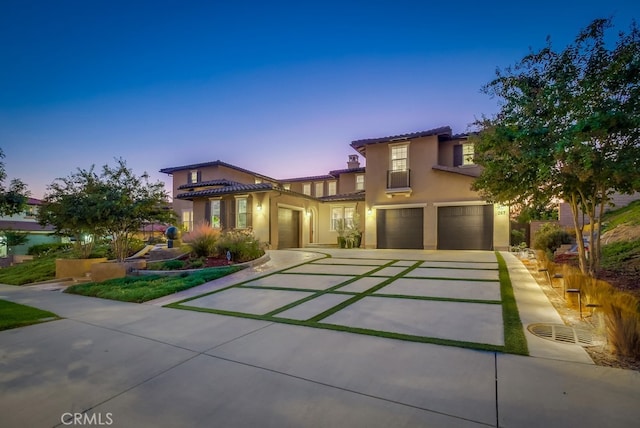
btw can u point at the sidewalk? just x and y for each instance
(145, 365)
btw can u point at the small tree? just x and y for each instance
(70, 206)
(13, 199)
(14, 238)
(115, 203)
(568, 128)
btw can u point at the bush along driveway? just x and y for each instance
(463, 299)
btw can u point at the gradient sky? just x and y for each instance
(277, 87)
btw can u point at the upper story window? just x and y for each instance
(331, 188)
(194, 176)
(467, 154)
(319, 190)
(30, 211)
(257, 180)
(399, 157)
(360, 182)
(286, 186)
(463, 154)
(306, 189)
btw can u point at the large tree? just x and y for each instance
(568, 128)
(13, 199)
(115, 203)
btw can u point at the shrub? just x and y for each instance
(242, 245)
(42, 249)
(202, 239)
(623, 323)
(550, 237)
(166, 265)
(621, 310)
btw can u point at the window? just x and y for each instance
(286, 186)
(360, 182)
(215, 220)
(467, 154)
(30, 211)
(331, 188)
(399, 157)
(187, 220)
(319, 190)
(306, 189)
(342, 215)
(241, 213)
(463, 154)
(194, 176)
(257, 180)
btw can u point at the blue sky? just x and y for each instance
(277, 87)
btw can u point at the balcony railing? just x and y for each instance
(398, 179)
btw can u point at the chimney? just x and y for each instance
(353, 163)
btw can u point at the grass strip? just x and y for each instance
(328, 290)
(140, 289)
(347, 329)
(437, 299)
(515, 341)
(452, 279)
(364, 294)
(13, 315)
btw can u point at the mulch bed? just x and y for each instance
(601, 355)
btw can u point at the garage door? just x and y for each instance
(465, 227)
(400, 228)
(288, 228)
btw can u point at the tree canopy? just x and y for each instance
(114, 203)
(13, 199)
(568, 128)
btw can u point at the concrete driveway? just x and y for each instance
(127, 365)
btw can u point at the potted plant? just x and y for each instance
(355, 234)
(342, 231)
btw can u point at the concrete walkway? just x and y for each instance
(145, 365)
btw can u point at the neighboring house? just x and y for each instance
(414, 193)
(26, 222)
(618, 200)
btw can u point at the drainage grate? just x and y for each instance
(562, 334)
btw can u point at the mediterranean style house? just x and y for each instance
(415, 192)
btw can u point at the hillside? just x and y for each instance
(621, 248)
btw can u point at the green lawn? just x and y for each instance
(14, 315)
(140, 289)
(40, 269)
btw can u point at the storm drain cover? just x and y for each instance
(562, 334)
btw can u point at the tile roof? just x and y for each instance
(312, 178)
(359, 145)
(359, 196)
(470, 171)
(222, 182)
(337, 172)
(34, 201)
(171, 170)
(27, 226)
(227, 190)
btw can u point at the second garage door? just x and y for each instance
(465, 227)
(400, 228)
(288, 228)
